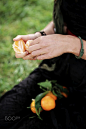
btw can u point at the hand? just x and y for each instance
(25, 38)
(47, 47)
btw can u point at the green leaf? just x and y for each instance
(54, 81)
(38, 102)
(59, 86)
(47, 84)
(54, 93)
(59, 96)
(32, 117)
(38, 113)
(65, 89)
(42, 88)
(38, 99)
(39, 110)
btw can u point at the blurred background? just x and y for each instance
(19, 17)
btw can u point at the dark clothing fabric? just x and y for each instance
(69, 113)
(74, 14)
(58, 17)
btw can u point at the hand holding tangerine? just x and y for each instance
(20, 46)
(28, 44)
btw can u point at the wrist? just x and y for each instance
(74, 45)
(40, 33)
(37, 34)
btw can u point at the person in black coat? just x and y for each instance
(62, 47)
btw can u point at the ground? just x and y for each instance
(16, 18)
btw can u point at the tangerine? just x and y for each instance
(27, 44)
(19, 46)
(33, 106)
(64, 94)
(48, 103)
(64, 87)
(52, 95)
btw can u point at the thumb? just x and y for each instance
(18, 37)
(23, 37)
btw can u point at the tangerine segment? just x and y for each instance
(48, 103)
(27, 44)
(33, 106)
(19, 46)
(52, 95)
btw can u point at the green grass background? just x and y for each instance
(16, 18)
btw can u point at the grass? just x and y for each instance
(17, 18)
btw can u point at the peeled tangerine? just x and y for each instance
(20, 46)
(27, 44)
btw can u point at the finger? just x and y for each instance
(40, 52)
(34, 58)
(21, 55)
(18, 37)
(28, 57)
(34, 47)
(43, 57)
(23, 37)
(35, 41)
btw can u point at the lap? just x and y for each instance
(14, 103)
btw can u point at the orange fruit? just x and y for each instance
(27, 44)
(48, 103)
(64, 94)
(52, 95)
(19, 46)
(32, 106)
(64, 87)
